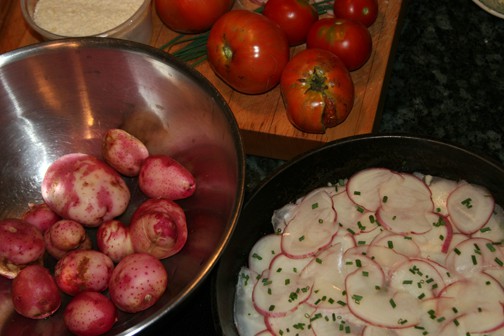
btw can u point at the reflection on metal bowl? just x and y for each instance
(61, 96)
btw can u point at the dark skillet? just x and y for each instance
(336, 160)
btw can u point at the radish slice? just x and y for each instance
(475, 255)
(494, 228)
(470, 207)
(400, 244)
(478, 302)
(377, 331)
(263, 251)
(282, 216)
(352, 217)
(440, 189)
(326, 272)
(369, 299)
(387, 258)
(278, 293)
(325, 322)
(363, 188)
(247, 319)
(418, 277)
(298, 321)
(283, 263)
(312, 227)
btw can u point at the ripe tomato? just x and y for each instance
(317, 90)
(295, 17)
(248, 51)
(364, 11)
(349, 40)
(191, 16)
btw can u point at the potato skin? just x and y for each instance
(90, 314)
(113, 238)
(20, 244)
(163, 177)
(137, 282)
(158, 227)
(83, 188)
(124, 152)
(83, 270)
(34, 293)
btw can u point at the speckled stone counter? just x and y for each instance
(447, 81)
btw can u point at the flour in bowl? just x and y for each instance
(83, 17)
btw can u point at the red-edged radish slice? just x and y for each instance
(435, 243)
(370, 300)
(400, 244)
(344, 238)
(478, 303)
(282, 216)
(377, 331)
(494, 228)
(326, 322)
(470, 207)
(440, 189)
(475, 255)
(280, 293)
(351, 216)
(327, 273)
(418, 277)
(247, 319)
(263, 251)
(363, 187)
(387, 258)
(406, 192)
(297, 321)
(265, 332)
(366, 238)
(283, 263)
(312, 227)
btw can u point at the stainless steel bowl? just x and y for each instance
(61, 96)
(336, 160)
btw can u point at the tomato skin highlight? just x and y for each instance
(350, 40)
(317, 90)
(248, 51)
(295, 17)
(191, 16)
(364, 11)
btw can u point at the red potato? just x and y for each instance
(83, 270)
(123, 151)
(90, 314)
(34, 293)
(158, 227)
(137, 282)
(83, 188)
(163, 177)
(66, 235)
(20, 244)
(40, 215)
(113, 238)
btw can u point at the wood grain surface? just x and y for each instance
(262, 120)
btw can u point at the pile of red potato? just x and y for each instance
(79, 192)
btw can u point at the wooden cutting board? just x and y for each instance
(264, 126)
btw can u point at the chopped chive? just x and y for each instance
(467, 203)
(392, 303)
(385, 199)
(318, 260)
(301, 238)
(356, 192)
(341, 303)
(407, 282)
(390, 244)
(490, 247)
(485, 229)
(271, 308)
(473, 258)
(457, 251)
(256, 256)
(314, 206)
(499, 262)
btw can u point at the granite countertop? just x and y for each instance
(447, 82)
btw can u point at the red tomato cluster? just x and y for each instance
(250, 51)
